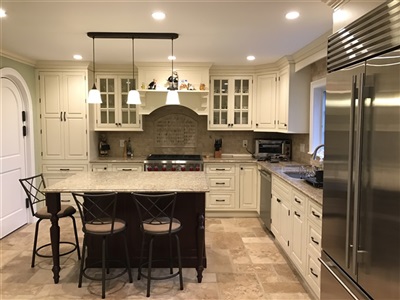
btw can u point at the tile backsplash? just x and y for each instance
(197, 140)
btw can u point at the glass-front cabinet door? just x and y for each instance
(231, 103)
(114, 113)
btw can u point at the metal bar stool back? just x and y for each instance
(33, 187)
(156, 216)
(98, 215)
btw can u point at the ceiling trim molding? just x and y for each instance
(17, 58)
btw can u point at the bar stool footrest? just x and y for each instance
(61, 254)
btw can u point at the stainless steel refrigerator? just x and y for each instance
(360, 256)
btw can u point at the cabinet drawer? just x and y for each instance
(64, 169)
(313, 273)
(100, 167)
(221, 183)
(220, 168)
(127, 167)
(315, 213)
(314, 238)
(220, 200)
(299, 200)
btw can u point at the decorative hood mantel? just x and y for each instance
(193, 89)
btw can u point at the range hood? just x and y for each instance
(195, 74)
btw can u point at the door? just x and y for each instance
(13, 213)
(378, 260)
(340, 133)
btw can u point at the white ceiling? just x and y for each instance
(218, 32)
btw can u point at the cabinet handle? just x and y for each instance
(220, 183)
(298, 201)
(315, 215)
(219, 200)
(126, 169)
(312, 272)
(65, 201)
(65, 119)
(278, 200)
(64, 169)
(297, 214)
(61, 116)
(314, 241)
(220, 169)
(256, 124)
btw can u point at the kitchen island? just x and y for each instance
(190, 209)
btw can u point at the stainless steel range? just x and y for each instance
(173, 162)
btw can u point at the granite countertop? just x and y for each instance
(278, 169)
(132, 182)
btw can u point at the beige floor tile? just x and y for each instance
(243, 264)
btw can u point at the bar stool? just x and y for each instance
(156, 216)
(33, 187)
(98, 219)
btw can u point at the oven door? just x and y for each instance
(266, 148)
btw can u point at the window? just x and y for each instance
(317, 113)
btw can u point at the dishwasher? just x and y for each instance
(265, 199)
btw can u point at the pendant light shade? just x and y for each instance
(133, 95)
(172, 95)
(94, 96)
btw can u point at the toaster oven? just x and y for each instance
(267, 149)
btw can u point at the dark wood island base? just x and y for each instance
(190, 210)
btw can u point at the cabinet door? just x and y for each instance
(220, 103)
(50, 89)
(298, 246)
(247, 190)
(63, 115)
(275, 220)
(265, 112)
(74, 116)
(286, 226)
(241, 103)
(106, 112)
(128, 113)
(283, 99)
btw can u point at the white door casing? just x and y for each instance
(16, 151)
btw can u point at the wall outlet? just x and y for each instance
(244, 143)
(121, 143)
(302, 148)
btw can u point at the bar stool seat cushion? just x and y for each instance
(105, 228)
(161, 225)
(65, 211)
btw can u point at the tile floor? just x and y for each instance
(243, 263)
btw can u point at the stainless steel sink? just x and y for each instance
(294, 174)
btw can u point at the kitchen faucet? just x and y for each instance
(314, 155)
(317, 164)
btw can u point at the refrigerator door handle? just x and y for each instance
(350, 183)
(338, 279)
(357, 186)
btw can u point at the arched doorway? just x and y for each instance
(16, 149)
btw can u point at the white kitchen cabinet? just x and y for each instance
(63, 114)
(293, 100)
(221, 180)
(314, 230)
(54, 173)
(230, 103)
(265, 104)
(113, 114)
(247, 186)
(280, 212)
(233, 187)
(299, 221)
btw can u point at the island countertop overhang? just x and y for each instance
(151, 182)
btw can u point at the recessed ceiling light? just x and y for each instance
(251, 57)
(77, 56)
(172, 57)
(158, 15)
(292, 15)
(2, 13)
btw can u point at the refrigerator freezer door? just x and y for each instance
(378, 250)
(343, 88)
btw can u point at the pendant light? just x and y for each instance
(172, 95)
(133, 95)
(94, 96)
